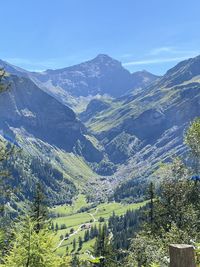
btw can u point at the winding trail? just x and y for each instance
(92, 215)
(78, 230)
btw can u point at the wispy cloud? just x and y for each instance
(171, 50)
(164, 54)
(156, 61)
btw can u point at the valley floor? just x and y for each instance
(76, 223)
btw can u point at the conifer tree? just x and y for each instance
(32, 248)
(39, 210)
(75, 261)
(151, 204)
(103, 248)
(80, 243)
(192, 140)
(74, 244)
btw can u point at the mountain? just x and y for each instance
(114, 139)
(142, 79)
(143, 129)
(99, 76)
(26, 106)
(56, 147)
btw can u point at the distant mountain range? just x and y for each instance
(99, 76)
(131, 123)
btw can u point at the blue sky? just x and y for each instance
(142, 34)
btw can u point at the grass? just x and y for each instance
(121, 110)
(65, 210)
(75, 167)
(72, 218)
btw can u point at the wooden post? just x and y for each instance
(181, 255)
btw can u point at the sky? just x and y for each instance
(143, 34)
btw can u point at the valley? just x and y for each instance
(74, 217)
(106, 144)
(94, 137)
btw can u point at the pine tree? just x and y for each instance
(75, 261)
(6, 191)
(32, 248)
(52, 226)
(74, 244)
(39, 210)
(86, 235)
(56, 228)
(151, 204)
(192, 140)
(80, 243)
(103, 248)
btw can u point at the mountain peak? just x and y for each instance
(105, 59)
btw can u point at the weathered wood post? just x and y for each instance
(181, 255)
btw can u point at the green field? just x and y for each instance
(73, 218)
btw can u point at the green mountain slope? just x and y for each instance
(146, 127)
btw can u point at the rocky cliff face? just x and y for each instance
(26, 106)
(101, 75)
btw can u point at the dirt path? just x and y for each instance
(78, 230)
(92, 215)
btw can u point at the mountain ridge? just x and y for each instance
(101, 75)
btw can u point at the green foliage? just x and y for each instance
(3, 83)
(197, 252)
(6, 152)
(30, 248)
(28, 171)
(176, 210)
(103, 248)
(105, 167)
(75, 261)
(192, 139)
(175, 219)
(39, 210)
(123, 228)
(131, 190)
(144, 251)
(155, 265)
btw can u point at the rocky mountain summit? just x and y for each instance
(101, 75)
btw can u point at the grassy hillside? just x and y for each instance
(141, 130)
(73, 218)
